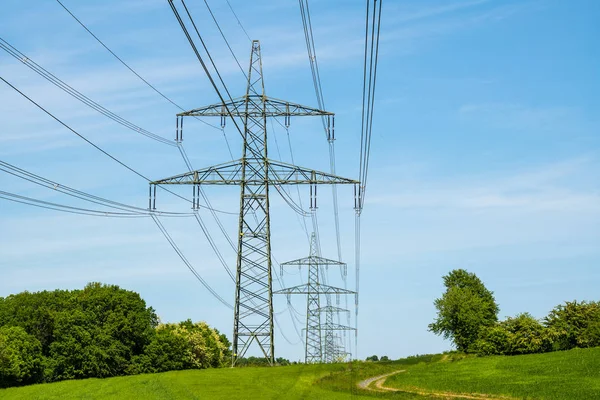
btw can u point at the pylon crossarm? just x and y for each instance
(338, 327)
(332, 309)
(273, 108)
(231, 174)
(316, 288)
(222, 174)
(287, 174)
(312, 260)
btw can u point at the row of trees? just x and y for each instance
(467, 314)
(99, 331)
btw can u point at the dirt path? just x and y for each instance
(367, 382)
(376, 384)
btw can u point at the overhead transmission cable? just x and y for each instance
(127, 65)
(238, 20)
(65, 208)
(155, 218)
(201, 60)
(188, 264)
(179, 145)
(314, 65)
(78, 95)
(372, 33)
(58, 187)
(142, 78)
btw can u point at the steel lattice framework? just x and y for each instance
(254, 173)
(314, 351)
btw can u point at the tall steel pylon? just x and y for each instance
(254, 173)
(314, 351)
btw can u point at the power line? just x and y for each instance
(38, 180)
(127, 65)
(179, 145)
(225, 39)
(371, 57)
(64, 208)
(201, 60)
(372, 33)
(187, 263)
(94, 145)
(78, 95)
(238, 20)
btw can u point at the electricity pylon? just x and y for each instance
(254, 173)
(332, 350)
(313, 289)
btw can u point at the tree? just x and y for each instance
(522, 334)
(372, 358)
(20, 357)
(464, 309)
(166, 352)
(577, 324)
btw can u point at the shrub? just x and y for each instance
(20, 357)
(577, 324)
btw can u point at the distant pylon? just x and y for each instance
(314, 351)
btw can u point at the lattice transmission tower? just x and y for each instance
(254, 173)
(333, 351)
(314, 351)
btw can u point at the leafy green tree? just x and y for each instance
(464, 309)
(209, 349)
(528, 335)
(20, 357)
(493, 340)
(372, 358)
(577, 324)
(522, 334)
(166, 352)
(384, 358)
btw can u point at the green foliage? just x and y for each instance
(182, 346)
(520, 335)
(260, 362)
(100, 331)
(577, 324)
(20, 357)
(167, 351)
(372, 358)
(464, 309)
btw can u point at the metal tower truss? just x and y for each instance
(251, 172)
(332, 351)
(272, 108)
(254, 173)
(314, 351)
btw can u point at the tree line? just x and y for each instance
(99, 331)
(467, 314)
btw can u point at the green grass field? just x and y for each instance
(566, 375)
(571, 375)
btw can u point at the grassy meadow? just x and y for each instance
(568, 375)
(565, 375)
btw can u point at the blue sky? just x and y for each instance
(485, 155)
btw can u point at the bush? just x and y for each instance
(166, 352)
(520, 335)
(577, 324)
(20, 357)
